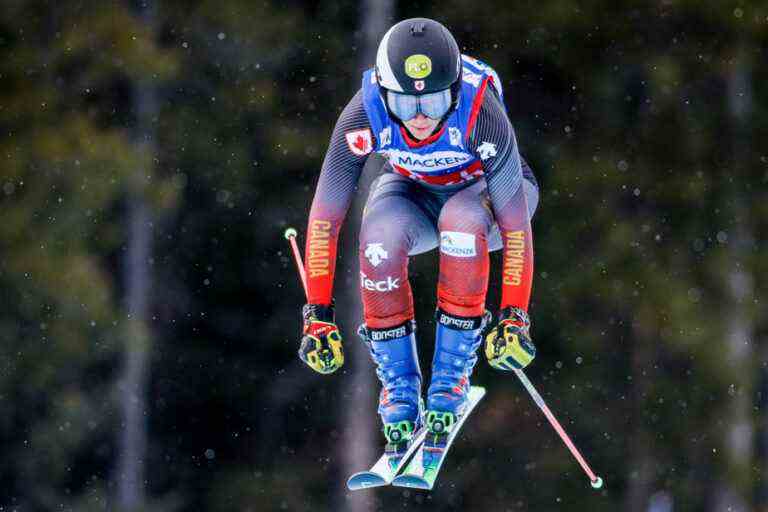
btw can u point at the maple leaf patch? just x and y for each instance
(360, 142)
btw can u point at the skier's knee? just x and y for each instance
(476, 220)
(461, 304)
(382, 241)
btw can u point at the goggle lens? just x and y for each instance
(433, 105)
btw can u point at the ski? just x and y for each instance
(385, 469)
(423, 469)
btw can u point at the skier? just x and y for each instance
(454, 179)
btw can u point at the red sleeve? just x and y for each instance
(320, 261)
(517, 256)
(350, 145)
(504, 174)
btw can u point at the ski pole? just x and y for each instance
(290, 235)
(596, 481)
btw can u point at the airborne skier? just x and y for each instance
(454, 179)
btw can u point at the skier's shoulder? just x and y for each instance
(353, 128)
(474, 63)
(353, 115)
(354, 105)
(493, 131)
(475, 71)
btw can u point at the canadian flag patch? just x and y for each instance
(360, 142)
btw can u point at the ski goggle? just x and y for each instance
(433, 105)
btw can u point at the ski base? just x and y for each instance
(366, 480)
(383, 472)
(414, 482)
(416, 475)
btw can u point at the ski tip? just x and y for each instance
(365, 480)
(290, 233)
(412, 481)
(476, 391)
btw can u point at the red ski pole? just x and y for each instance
(290, 235)
(595, 480)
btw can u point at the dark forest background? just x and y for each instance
(154, 152)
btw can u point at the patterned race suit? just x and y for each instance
(465, 189)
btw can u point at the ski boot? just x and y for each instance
(456, 342)
(400, 406)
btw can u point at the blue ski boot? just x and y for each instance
(394, 352)
(456, 343)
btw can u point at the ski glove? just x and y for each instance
(321, 341)
(509, 344)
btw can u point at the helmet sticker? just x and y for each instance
(419, 85)
(418, 66)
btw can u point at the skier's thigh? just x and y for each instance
(395, 215)
(531, 198)
(468, 211)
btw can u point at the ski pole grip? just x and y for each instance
(290, 235)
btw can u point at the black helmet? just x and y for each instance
(418, 56)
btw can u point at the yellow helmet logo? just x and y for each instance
(418, 66)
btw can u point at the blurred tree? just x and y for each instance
(733, 493)
(137, 336)
(61, 179)
(360, 445)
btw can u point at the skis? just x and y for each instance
(422, 472)
(385, 470)
(425, 465)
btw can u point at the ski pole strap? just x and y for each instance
(516, 314)
(319, 313)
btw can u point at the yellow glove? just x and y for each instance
(509, 344)
(321, 346)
